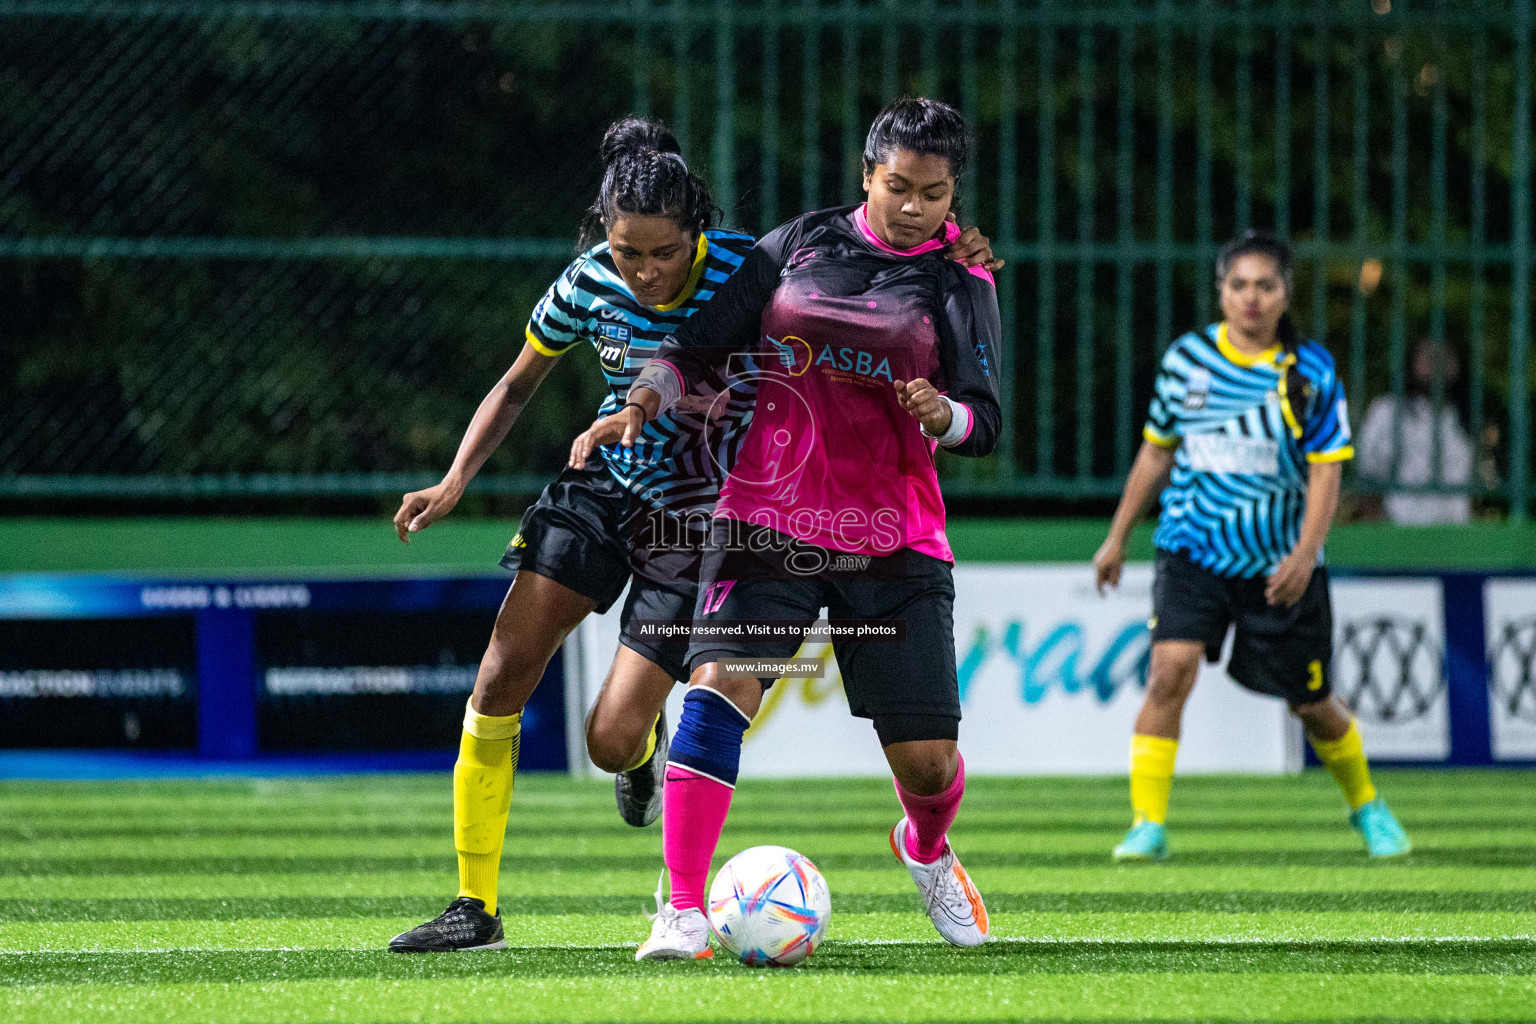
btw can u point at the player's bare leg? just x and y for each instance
(618, 726)
(1326, 720)
(924, 767)
(627, 733)
(1175, 666)
(535, 618)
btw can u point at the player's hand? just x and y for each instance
(972, 249)
(420, 509)
(1107, 563)
(1289, 580)
(622, 426)
(921, 399)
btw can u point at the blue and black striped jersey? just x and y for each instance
(680, 460)
(1238, 492)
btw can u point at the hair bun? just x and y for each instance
(644, 174)
(635, 135)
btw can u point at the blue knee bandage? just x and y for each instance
(708, 738)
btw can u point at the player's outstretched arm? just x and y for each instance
(1148, 475)
(1288, 582)
(487, 429)
(622, 426)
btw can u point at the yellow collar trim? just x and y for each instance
(1268, 357)
(692, 284)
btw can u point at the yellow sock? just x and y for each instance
(482, 793)
(1151, 776)
(1345, 760)
(650, 748)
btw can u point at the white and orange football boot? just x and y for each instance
(953, 904)
(676, 934)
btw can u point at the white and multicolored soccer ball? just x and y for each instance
(769, 906)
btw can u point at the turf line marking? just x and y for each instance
(1018, 940)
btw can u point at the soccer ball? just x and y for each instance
(769, 906)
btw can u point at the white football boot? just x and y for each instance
(953, 904)
(675, 934)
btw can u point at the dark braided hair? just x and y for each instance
(644, 174)
(926, 127)
(1296, 390)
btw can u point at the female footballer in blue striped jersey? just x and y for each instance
(1248, 424)
(576, 548)
(634, 517)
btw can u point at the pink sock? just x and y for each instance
(693, 813)
(929, 817)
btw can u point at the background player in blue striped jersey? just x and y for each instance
(639, 512)
(1251, 423)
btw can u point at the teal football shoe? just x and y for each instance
(1384, 837)
(1146, 842)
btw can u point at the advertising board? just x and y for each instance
(1510, 617)
(1051, 676)
(1389, 664)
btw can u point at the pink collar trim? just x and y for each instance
(951, 232)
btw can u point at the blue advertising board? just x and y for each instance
(372, 672)
(1440, 668)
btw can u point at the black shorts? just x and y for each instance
(753, 573)
(589, 533)
(577, 534)
(1283, 652)
(665, 559)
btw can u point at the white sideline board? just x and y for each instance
(1510, 621)
(1389, 664)
(1050, 686)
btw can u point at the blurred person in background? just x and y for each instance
(1417, 463)
(1249, 428)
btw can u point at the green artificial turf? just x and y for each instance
(271, 900)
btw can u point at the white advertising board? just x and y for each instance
(1509, 608)
(1050, 677)
(1389, 664)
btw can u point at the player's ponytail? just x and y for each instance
(1295, 389)
(644, 174)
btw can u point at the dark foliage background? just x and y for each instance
(295, 244)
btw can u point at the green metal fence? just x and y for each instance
(284, 247)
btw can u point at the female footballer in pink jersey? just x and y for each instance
(868, 350)
(626, 520)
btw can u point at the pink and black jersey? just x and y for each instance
(824, 318)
